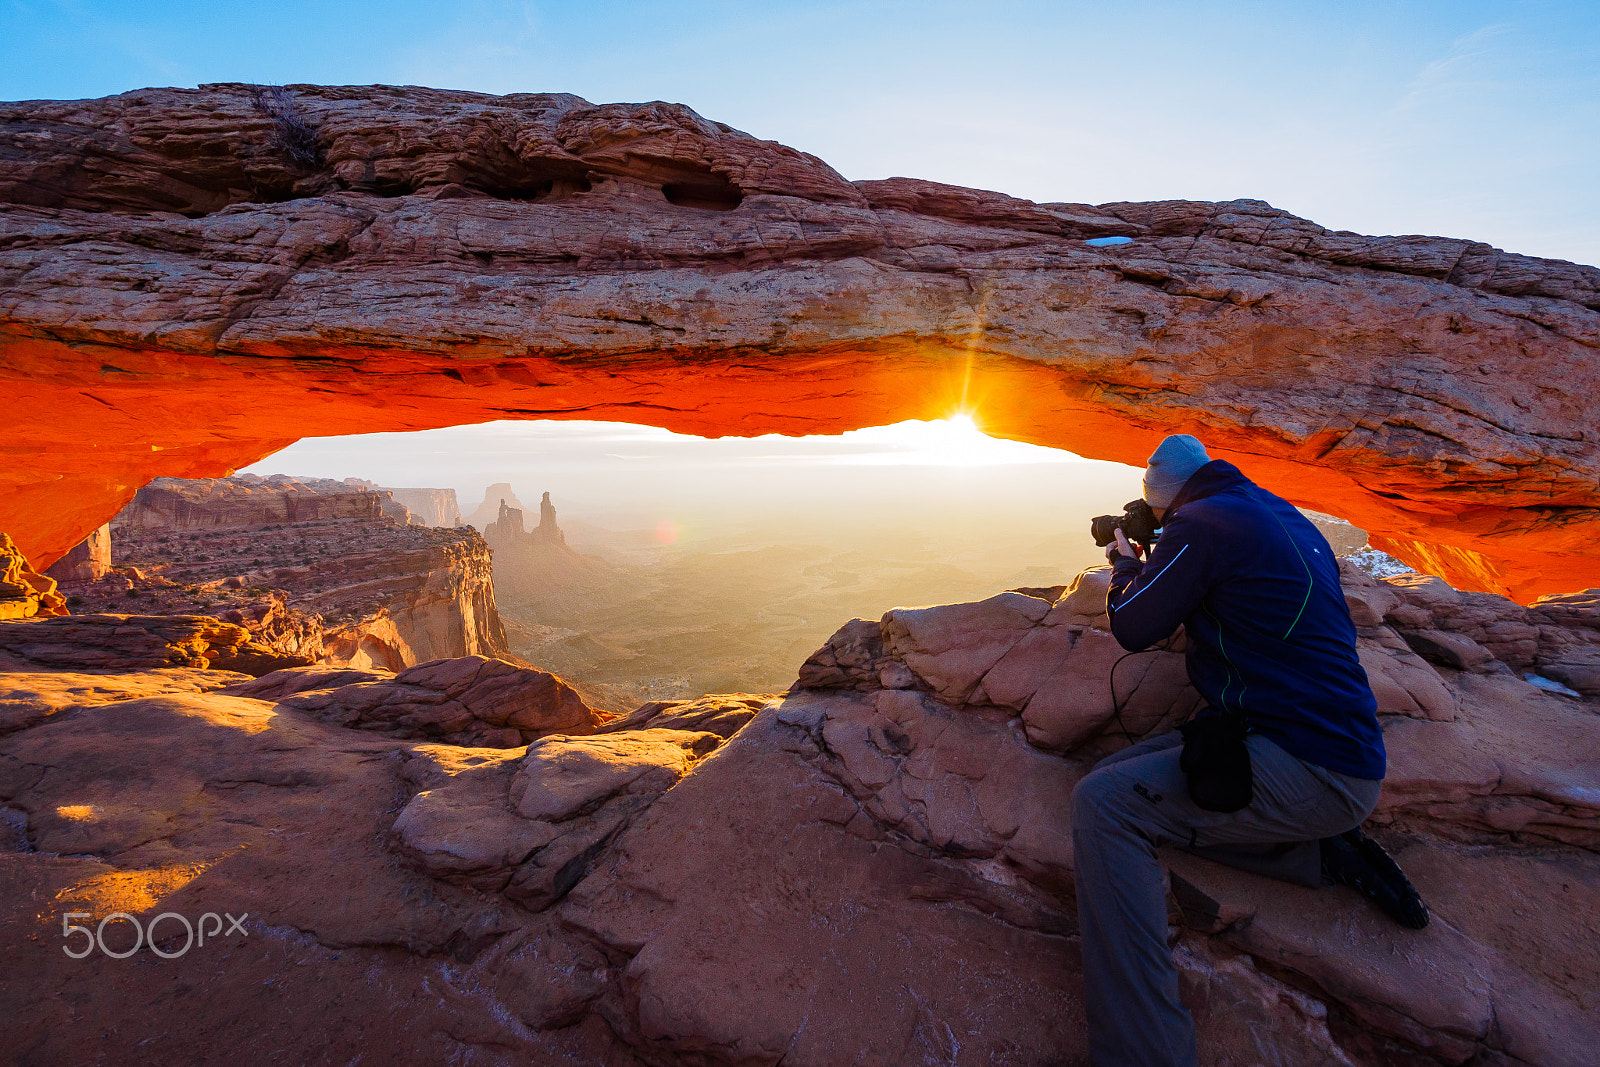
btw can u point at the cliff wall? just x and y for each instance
(184, 504)
(311, 568)
(88, 560)
(430, 507)
(435, 601)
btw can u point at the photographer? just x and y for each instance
(1275, 775)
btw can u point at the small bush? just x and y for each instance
(294, 135)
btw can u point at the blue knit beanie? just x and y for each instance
(1171, 464)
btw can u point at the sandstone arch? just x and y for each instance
(190, 285)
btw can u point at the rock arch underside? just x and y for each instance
(194, 279)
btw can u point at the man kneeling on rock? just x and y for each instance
(1272, 649)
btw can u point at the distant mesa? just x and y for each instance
(428, 507)
(489, 511)
(251, 500)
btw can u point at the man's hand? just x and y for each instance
(1124, 547)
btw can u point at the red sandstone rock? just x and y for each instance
(31, 697)
(428, 258)
(313, 568)
(722, 714)
(24, 592)
(171, 504)
(196, 803)
(88, 561)
(123, 642)
(471, 700)
(860, 865)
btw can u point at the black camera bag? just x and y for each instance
(1217, 762)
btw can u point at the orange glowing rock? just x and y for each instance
(202, 297)
(24, 592)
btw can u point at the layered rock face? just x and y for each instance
(878, 861)
(430, 507)
(314, 569)
(426, 507)
(341, 260)
(24, 592)
(112, 642)
(88, 561)
(173, 504)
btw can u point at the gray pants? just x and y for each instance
(1137, 801)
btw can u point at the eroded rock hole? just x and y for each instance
(537, 184)
(712, 193)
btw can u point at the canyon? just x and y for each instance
(437, 258)
(738, 603)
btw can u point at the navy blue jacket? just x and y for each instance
(1256, 587)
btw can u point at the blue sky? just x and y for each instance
(1464, 119)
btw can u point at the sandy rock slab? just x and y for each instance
(195, 803)
(531, 824)
(468, 700)
(723, 714)
(115, 642)
(1516, 761)
(28, 698)
(1498, 968)
(835, 940)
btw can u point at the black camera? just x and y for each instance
(1138, 521)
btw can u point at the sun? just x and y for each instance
(954, 441)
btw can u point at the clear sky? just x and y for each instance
(1462, 118)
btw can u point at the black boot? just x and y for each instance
(1356, 860)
